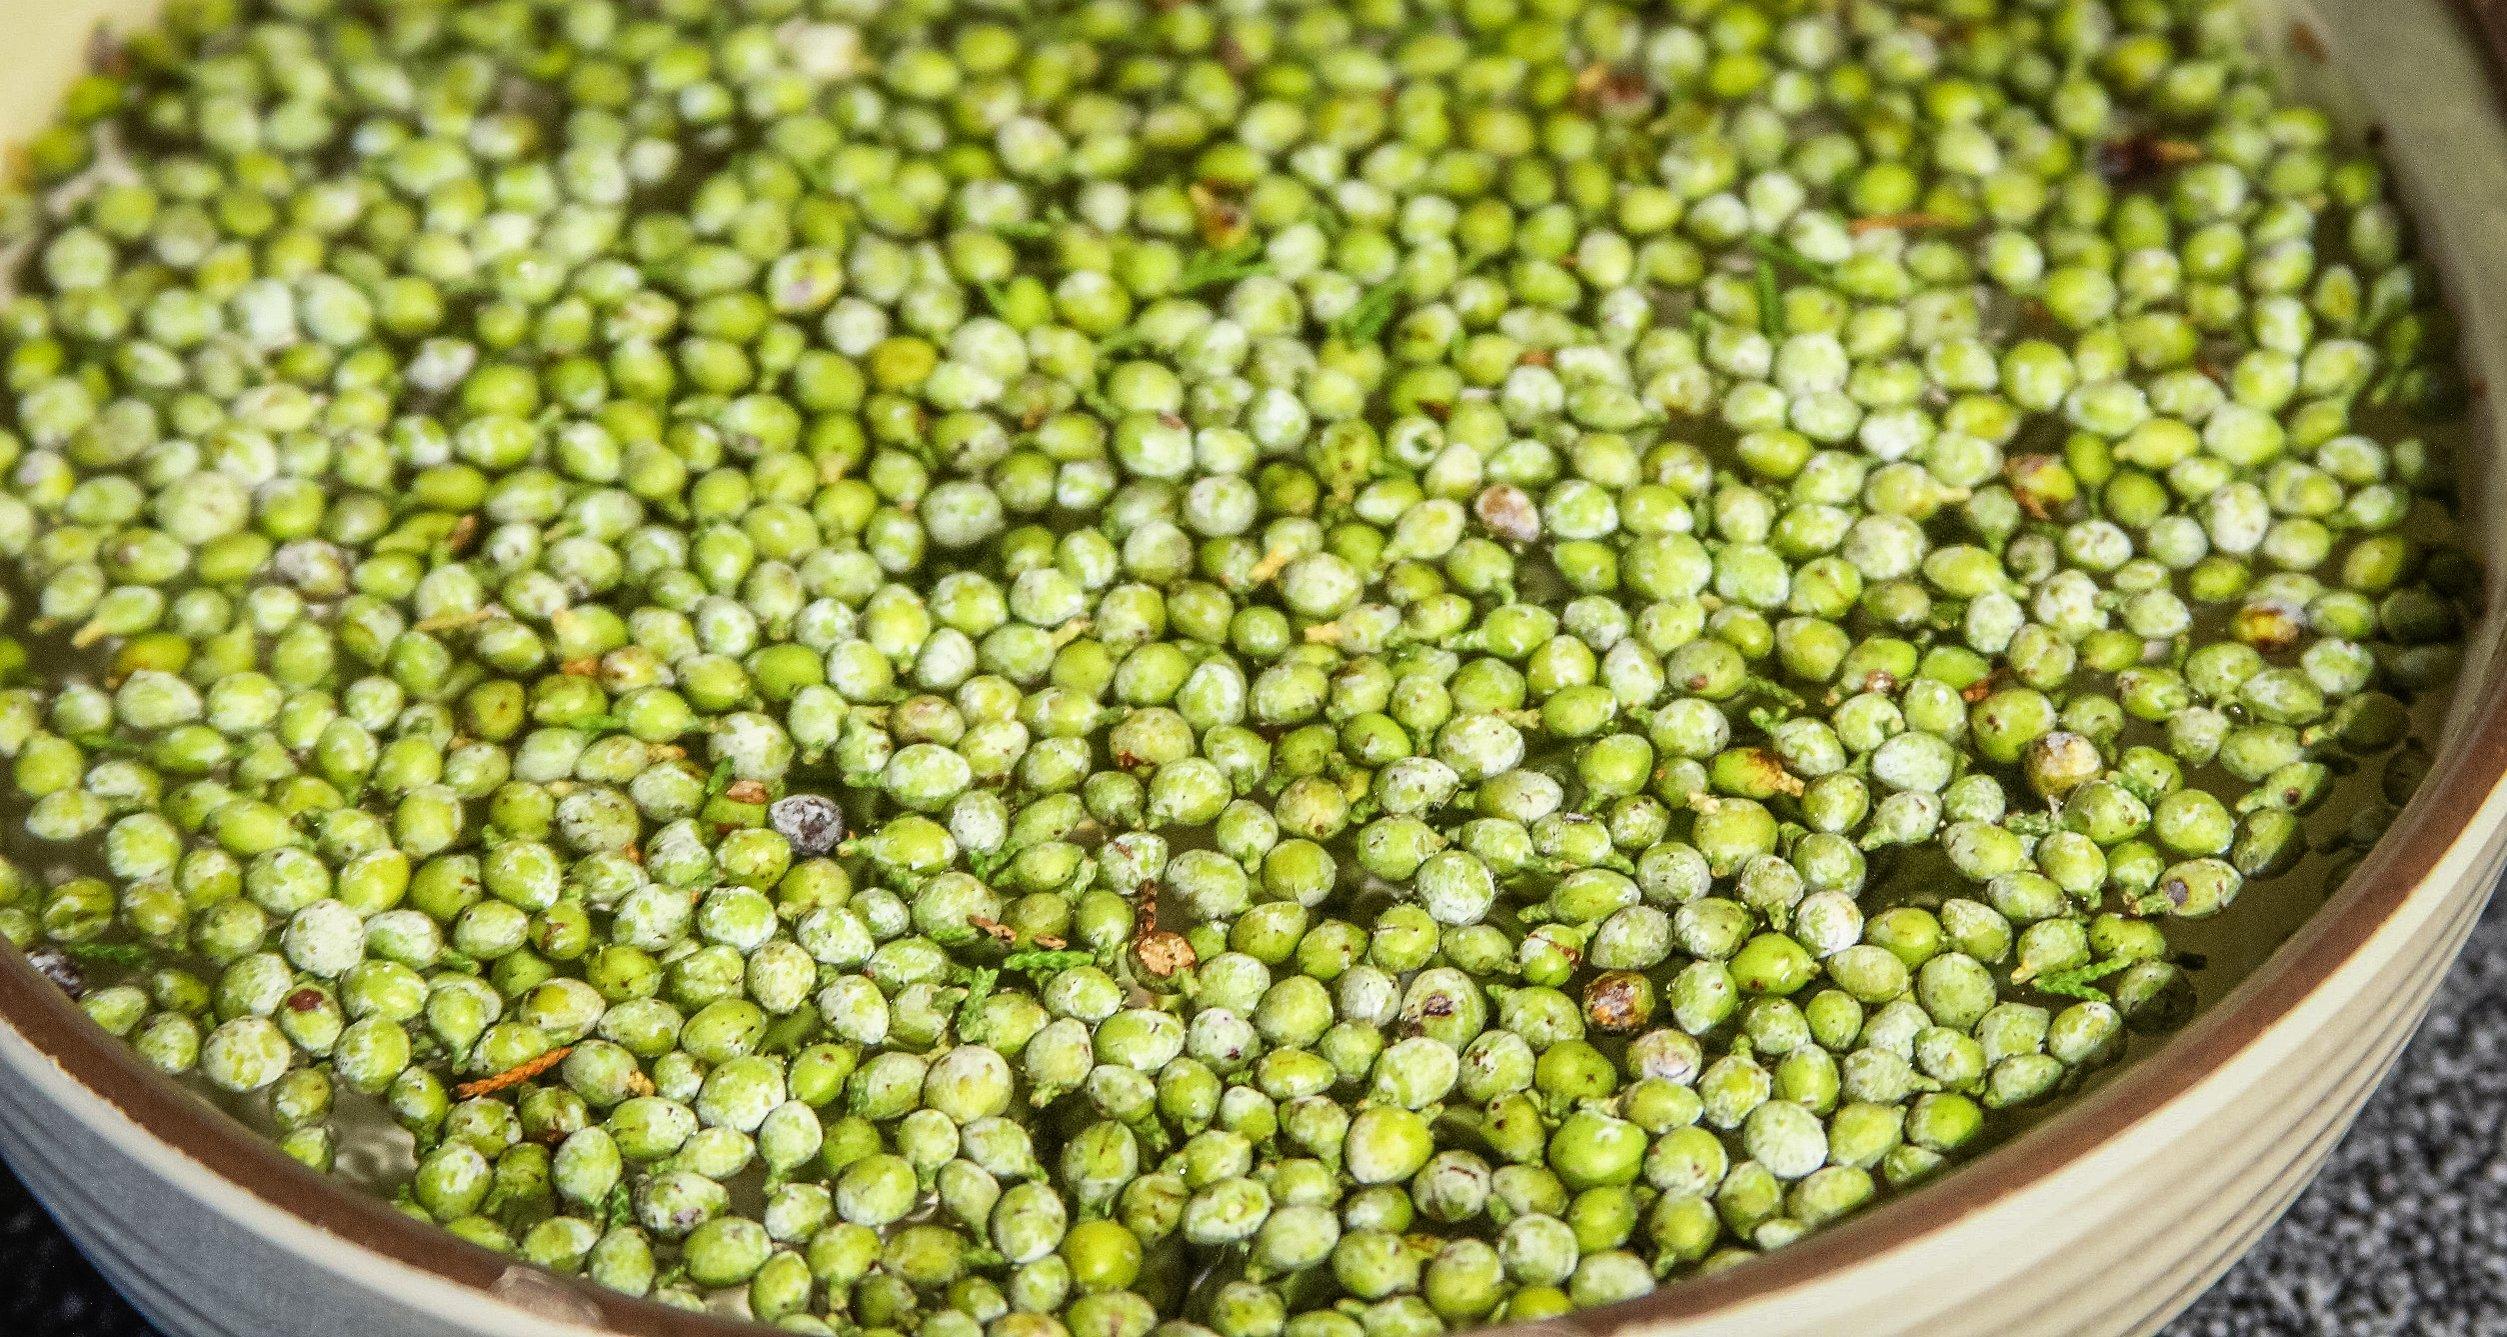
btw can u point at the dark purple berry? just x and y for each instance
(55, 965)
(812, 822)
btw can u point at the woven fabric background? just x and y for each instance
(2405, 1233)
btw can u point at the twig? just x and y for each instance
(513, 1076)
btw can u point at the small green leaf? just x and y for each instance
(979, 981)
(1361, 323)
(2080, 981)
(1062, 959)
(1770, 303)
(1242, 260)
(1121, 341)
(1778, 252)
(129, 956)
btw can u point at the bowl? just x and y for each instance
(2106, 1218)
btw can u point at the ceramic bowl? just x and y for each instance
(2107, 1218)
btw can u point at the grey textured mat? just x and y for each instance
(2405, 1233)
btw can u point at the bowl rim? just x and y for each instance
(2465, 772)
